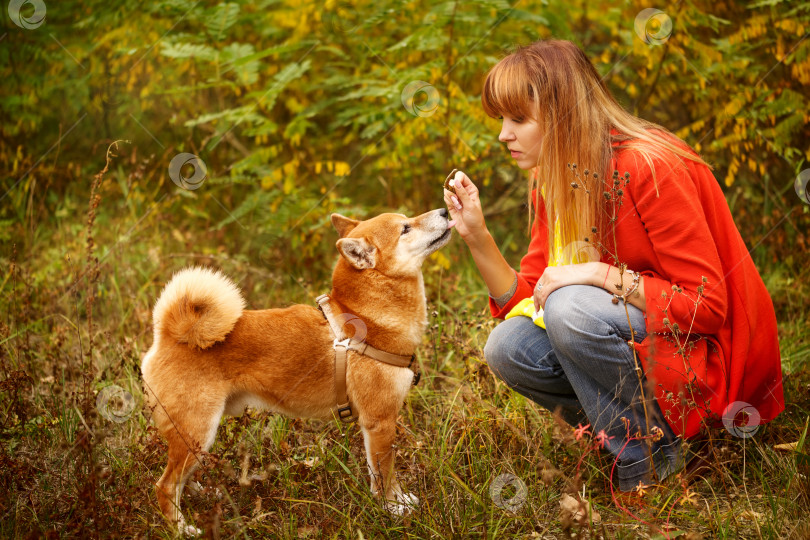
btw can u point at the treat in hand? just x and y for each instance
(449, 182)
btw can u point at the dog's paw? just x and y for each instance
(396, 508)
(197, 489)
(404, 503)
(194, 487)
(188, 530)
(408, 499)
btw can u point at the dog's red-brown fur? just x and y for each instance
(210, 357)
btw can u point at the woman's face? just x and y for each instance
(523, 139)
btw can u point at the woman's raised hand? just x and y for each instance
(465, 208)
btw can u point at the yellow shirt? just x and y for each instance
(575, 253)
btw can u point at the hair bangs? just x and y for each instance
(508, 90)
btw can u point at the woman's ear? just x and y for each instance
(343, 225)
(358, 252)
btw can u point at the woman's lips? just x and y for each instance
(515, 153)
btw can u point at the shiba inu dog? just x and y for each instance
(211, 356)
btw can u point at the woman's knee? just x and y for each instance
(503, 347)
(578, 313)
(573, 312)
(498, 348)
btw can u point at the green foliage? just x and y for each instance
(281, 94)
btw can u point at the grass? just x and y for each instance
(70, 471)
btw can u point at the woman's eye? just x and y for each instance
(406, 228)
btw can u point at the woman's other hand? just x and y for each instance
(465, 208)
(555, 277)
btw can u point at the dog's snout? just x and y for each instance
(443, 212)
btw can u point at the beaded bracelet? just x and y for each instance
(630, 290)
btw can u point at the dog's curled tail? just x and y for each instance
(198, 306)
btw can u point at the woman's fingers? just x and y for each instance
(452, 201)
(464, 187)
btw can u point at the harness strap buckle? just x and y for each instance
(341, 343)
(345, 414)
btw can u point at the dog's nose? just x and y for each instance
(443, 212)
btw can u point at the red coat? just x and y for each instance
(676, 237)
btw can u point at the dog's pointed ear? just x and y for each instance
(343, 225)
(358, 252)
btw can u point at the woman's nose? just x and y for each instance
(506, 134)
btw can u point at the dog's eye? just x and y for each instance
(406, 229)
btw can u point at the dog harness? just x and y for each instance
(342, 345)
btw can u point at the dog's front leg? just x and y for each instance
(380, 454)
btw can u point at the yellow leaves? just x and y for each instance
(342, 168)
(289, 172)
(339, 168)
(177, 235)
(295, 104)
(733, 106)
(439, 259)
(790, 25)
(733, 167)
(289, 184)
(801, 71)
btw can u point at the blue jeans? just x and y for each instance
(581, 365)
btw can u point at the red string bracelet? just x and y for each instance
(606, 276)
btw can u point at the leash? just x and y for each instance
(342, 345)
